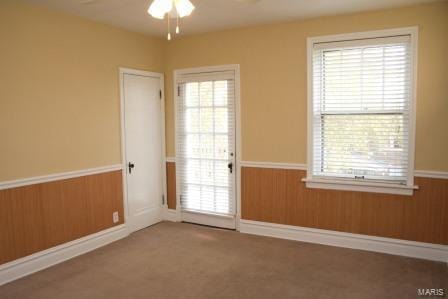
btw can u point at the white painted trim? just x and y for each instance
(432, 174)
(350, 185)
(176, 146)
(238, 145)
(58, 254)
(413, 32)
(413, 249)
(222, 221)
(309, 140)
(299, 166)
(58, 176)
(170, 159)
(162, 111)
(364, 34)
(205, 69)
(273, 165)
(129, 71)
(121, 72)
(171, 215)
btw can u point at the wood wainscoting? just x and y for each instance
(171, 185)
(279, 196)
(40, 216)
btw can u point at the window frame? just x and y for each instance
(335, 183)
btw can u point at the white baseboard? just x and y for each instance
(171, 215)
(55, 255)
(421, 250)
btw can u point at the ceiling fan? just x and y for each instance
(176, 9)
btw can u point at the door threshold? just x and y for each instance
(222, 221)
(208, 214)
(210, 226)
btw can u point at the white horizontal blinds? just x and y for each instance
(205, 136)
(361, 108)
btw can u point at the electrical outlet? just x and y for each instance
(115, 217)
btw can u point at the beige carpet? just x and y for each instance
(177, 260)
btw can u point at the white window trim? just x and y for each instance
(352, 185)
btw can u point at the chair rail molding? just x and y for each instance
(301, 166)
(278, 165)
(58, 176)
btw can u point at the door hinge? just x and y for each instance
(163, 199)
(178, 90)
(160, 94)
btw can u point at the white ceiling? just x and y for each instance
(212, 15)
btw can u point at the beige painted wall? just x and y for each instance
(273, 79)
(59, 95)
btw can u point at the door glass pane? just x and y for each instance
(221, 93)
(206, 182)
(221, 122)
(206, 120)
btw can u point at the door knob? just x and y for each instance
(130, 166)
(230, 166)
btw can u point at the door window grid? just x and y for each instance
(210, 180)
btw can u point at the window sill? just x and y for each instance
(373, 187)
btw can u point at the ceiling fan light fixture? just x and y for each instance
(183, 7)
(159, 8)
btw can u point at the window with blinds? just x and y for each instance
(206, 142)
(362, 109)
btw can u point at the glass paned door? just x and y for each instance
(206, 145)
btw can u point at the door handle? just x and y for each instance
(230, 166)
(130, 166)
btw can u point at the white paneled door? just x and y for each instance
(143, 147)
(205, 137)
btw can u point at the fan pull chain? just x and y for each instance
(169, 34)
